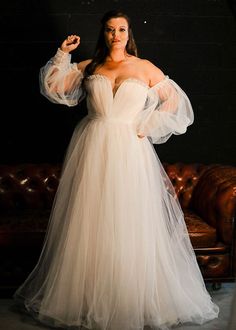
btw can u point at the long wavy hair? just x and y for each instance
(101, 49)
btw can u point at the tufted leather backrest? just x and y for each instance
(28, 186)
(33, 186)
(184, 178)
(214, 199)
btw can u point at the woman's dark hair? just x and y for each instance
(101, 49)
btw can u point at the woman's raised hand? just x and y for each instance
(70, 43)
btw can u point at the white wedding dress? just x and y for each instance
(117, 254)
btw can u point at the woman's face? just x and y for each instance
(116, 33)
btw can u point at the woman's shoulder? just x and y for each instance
(82, 65)
(153, 72)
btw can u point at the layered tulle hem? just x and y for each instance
(95, 323)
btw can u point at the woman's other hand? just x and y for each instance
(140, 136)
(70, 43)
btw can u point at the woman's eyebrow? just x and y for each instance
(111, 26)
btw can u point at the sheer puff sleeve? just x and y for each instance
(60, 80)
(167, 111)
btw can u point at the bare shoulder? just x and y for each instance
(82, 65)
(153, 73)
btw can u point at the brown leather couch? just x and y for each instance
(207, 194)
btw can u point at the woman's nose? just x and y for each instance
(115, 32)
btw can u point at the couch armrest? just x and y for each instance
(214, 199)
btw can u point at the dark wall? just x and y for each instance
(192, 41)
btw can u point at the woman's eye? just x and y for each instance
(108, 30)
(122, 30)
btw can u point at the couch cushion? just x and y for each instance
(23, 228)
(201, 234)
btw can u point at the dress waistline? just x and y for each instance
(109, 119)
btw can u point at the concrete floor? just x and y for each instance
(12, 319)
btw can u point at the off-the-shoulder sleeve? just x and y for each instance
(60, 80)
(167, 111)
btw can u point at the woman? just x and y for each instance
(117, 254)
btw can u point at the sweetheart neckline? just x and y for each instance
(139, 81)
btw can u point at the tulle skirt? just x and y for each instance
(117, 254)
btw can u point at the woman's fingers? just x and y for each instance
(140, 136)
(70, 43)
(73, 39)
